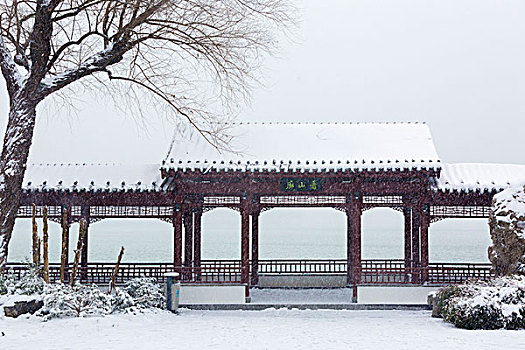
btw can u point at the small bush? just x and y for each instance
(3, 283)
(138, 295)
(475, 317)
(29, 283)
(443, 296)
(146, 293)
(499, 303)
(62, 300)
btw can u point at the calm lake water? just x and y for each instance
(284, 233)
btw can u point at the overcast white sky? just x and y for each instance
(457, 65)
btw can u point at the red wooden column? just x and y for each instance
(415, 238)
(177, 236)
(67, 225)
(245, 245)
(197, 220)
(416, 244)
(425, 223)
(188, 238)
(356, 225)
(255, 247)
(408, 239)
(349, 246)
(84, 253)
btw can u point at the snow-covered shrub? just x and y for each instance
(146, 293)
(507, 230)
(61, 300)
(3, 283)
(29, 283)
(499, 303)
(122, 301)
(443, 296)
(83, 300)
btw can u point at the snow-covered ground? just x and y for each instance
(269, 329)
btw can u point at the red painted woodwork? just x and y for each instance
(84, 252)
(416, 260)
(356, 240)
(177, 236)
(245, 246)
(188, 238)
(424, 242)
(408, 236)
(255, 248)
(349, 245)
(372, 272)
(190, 192)
(197, 217)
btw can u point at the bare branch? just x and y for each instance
(197, 53)
(166, 99)
(57, 54)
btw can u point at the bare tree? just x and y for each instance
(156, 46)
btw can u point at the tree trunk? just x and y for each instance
(16, 144)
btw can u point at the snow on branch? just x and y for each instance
(96, 63)
(10, 72)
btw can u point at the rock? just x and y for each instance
(23, 307)
(507, 230)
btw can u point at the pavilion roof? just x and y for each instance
(279, 146)
(147, 177)
(481, 176)
(92, 177)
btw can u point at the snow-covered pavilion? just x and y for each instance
(351, 167)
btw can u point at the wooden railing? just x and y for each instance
(373, 272)
(434, 274)
(100, 273)
(317, 266)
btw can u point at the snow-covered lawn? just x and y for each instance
(269, 329)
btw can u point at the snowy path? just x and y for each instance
(270, 329)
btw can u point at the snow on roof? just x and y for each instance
(485, 177)
(275, 146)
(92, 177)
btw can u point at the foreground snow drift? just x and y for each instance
(270, 329)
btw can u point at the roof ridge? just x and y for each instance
(332, 122)
(86, 164)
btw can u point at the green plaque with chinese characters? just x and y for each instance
(300, 185)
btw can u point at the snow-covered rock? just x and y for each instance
(507, 230)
